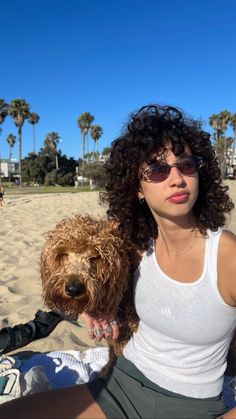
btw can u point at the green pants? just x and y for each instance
(127, 393)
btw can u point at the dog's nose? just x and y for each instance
(74, 290)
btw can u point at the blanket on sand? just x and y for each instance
(44, 371)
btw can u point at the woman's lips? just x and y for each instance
(179, 198)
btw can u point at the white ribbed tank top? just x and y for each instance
(185, 328)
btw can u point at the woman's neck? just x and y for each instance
(177, 238)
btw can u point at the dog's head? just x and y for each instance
(84, 267)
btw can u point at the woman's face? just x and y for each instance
(175, 196)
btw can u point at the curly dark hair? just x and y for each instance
(147, 134)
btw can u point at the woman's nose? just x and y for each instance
(176, 177)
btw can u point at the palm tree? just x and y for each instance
(51, 141)
(106, 153)
(224, 119)
(3, 110)
(11, 139)
(96, 132)
(33, 119)
(84, 121)
(0, 162)
(19, 111)
(3, 114)
(232, 122)
(219, 123)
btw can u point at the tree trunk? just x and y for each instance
(57, 166)
(83, 145)
(34, 143)
(88, 158)
(0, 172)
(223, 166)
(9, 166)
(19, 153)
(234, 145)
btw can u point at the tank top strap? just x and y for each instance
(212, 256)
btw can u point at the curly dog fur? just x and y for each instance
(86, 266)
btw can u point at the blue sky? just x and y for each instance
(107, 57)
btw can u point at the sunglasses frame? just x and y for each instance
(144, 175)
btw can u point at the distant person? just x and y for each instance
(92, 185)
(76, 182)
(230, 172)
(2, 196)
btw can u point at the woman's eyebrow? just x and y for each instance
(184, 154)
(157, 159)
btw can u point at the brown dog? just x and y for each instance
(86, 266)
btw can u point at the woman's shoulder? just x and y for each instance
(227, 261)
(228, 238)
(227, 246)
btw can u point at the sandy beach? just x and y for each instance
(23, 222)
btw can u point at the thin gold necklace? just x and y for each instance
(186, 250)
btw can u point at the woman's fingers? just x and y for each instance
(89, 324)
(115, 328)
(110, 328)
(107, 329)
(101, 328)
(98, 329)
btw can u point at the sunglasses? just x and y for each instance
(159, 171)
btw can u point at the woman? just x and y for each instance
(164, 188)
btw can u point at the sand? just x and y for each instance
(23, 222)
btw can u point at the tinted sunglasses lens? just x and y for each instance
(188, 166)
(158, 172)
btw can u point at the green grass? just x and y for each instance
(27, 190)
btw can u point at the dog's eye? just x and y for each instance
(60, 258)
(93, 258)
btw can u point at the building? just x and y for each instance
(231, 156)
(6, 168)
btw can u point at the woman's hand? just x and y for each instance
(101, 328)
